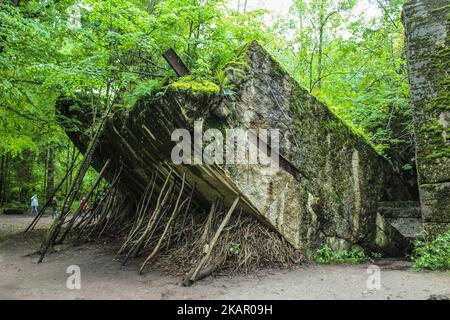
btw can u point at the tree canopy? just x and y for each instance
(52, 48)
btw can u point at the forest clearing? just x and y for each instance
(219, 149)
(105, 278)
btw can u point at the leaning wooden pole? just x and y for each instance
(55, 228)
(91, 191)
(168, 224)
(73, 191)
(39, 215)
(193, 274)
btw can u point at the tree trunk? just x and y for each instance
(44, 189)
(151, 5)
(70, 158)
(50, 183)
(320, 53)
(2, 180)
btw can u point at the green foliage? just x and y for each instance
(144, 88)
(355, 255)
(353, 64)
(116, 50)
(407, 167)
(234, 248)
(434, 254)
(57, 248)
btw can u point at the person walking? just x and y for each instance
(54, 205)
(34, 205)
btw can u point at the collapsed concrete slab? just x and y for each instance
(328, 184)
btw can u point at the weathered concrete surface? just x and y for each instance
(341, 179)
(405, 216)
(338, 178)
(427, 24)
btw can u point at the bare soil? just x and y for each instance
(103, 276)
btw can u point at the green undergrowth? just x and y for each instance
(354, 255)
(433, 254)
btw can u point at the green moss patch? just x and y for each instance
(195, 86)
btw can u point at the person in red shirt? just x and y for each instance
(84, 207)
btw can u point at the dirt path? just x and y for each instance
(102, 277)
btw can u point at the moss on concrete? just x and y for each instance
(435, 202)
(427, 25)
(195, 86)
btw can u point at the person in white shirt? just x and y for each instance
(34, 205)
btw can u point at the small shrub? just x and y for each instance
(355, 255)
(434, 254)
(235, 248)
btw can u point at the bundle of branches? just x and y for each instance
(169, 235)
(165, 230)
(245, 245)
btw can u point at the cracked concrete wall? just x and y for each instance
(427, 27)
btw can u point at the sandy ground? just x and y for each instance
(103, 277)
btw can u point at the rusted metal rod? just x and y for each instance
(176, 63)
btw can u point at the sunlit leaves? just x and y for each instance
(363, 71)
